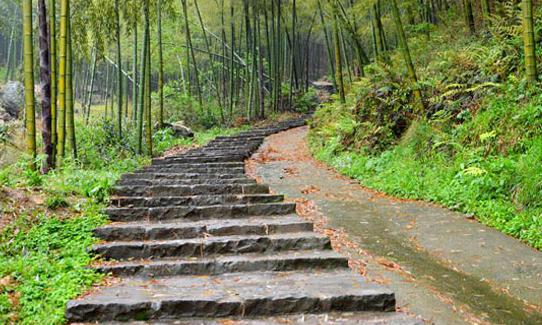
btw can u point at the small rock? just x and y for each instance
(11, 99)
(324, 86)
(180, 130)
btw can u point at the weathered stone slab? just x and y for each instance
(152, 182)
(190, 190)
(218, 158)
(168, 161)
(172, 174)
(281, 261)
(198, 200)
(144, 231)
(333, 318)
(200, 212)
(184, 169)
(233, 294)
(211, 246)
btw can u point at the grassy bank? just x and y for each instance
(476, 149)
(47, 221)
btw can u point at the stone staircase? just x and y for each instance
(192, 237)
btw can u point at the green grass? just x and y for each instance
(43, 253)
(502, 192)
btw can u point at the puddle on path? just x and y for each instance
(466, 266)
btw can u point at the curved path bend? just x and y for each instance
(442, 265)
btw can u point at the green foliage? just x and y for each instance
(55, 201)
(307, 101)
(47, 264)
(182, 107)
(501, 191)
(476, 150)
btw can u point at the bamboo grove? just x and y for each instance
(234, 58)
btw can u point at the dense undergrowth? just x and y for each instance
(50, 218)
(476, 149)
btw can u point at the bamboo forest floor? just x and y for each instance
(442, 265)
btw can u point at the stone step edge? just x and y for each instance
(246, 294)
(229, 227)
(277, 262)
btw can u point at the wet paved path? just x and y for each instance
(193, 237)
(442, 266)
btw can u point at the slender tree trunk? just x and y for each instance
(529, 41)
(293, 49)
(10, 50)
(232, 72)
(160, 69)
(70, 111)
(249, 67)
(328, 45)
(148, 107)
(338, 58)
(405, 51)
(143, 78)
(280, 59)
(214, 78)
(469, 16)
(261, 83)
(63, 51)
(45, 84)
(30, 112)
(135, 77)
(91, 90)
(192, 54)
(378, 34)
(119, 71)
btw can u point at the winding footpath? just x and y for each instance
(194, 240)
(442, 265)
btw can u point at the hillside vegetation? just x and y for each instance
(476, 148)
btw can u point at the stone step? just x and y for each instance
(278, 262)
(333, 318)
(233, 294)
(174, 174)
(212, 246)
(184, 169)
(211, 149)
(197, 200)
(168, 160)
(228, 158)
(246, 137)
(200, 212)
(241, 152)
(151, 182)
(237, 145)
(144, 231)
(190, 190)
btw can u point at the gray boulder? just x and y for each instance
(180, 130)
(11, 100)
(324, 86)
